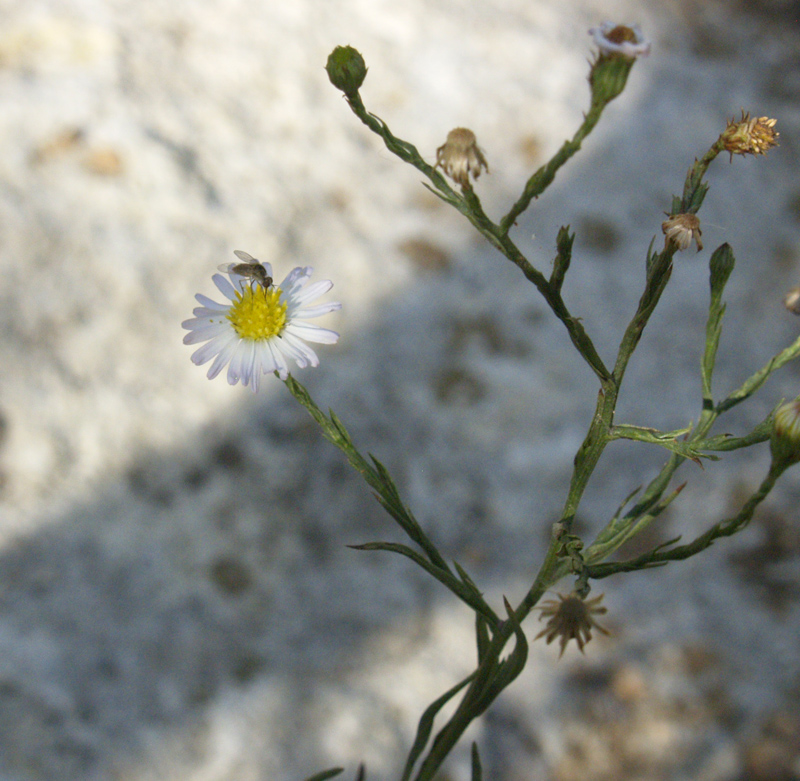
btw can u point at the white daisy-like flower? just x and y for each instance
(611, 38)
(261, 326)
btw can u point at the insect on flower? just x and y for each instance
(249, 268)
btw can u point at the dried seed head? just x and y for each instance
(571, 618)
(461, 156)
(680, 229)
(749, 136)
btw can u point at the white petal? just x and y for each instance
(210, 349)
(313, 291)
(235, 367)
(206, 332)
(316, 311)
(312, 333)
(278, 359)
(264, 358)
(221, 360)
(302, 353)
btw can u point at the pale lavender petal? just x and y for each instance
(224, 287)
(210, 304)
(296, 278)
(248, 356)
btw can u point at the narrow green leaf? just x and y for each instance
(563, 257)
(326, 774)
(755, 381)
(477, 771)
(482, 636)
(620, 531)
(727, 442)
(469, 595)
(508, 669)
(466, 579)
(694, 189)
(425, 725)
(696, 198)
(668, 439)
(721, 265)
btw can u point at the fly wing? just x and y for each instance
(226, 267)
(244, 256)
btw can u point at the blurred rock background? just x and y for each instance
(176, 597)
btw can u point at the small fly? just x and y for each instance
(249, 268)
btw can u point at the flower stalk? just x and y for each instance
(263, 325)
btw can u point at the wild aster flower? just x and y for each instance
(261, 326)
(613, 38)
(749, 136)
(681, 229)
(461, 156)
(571, 618)
(785, 441)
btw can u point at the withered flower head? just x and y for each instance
(461, 156)
(613, 38)
(792, 300)
(681, 229)
(749, 136)
(571, 618)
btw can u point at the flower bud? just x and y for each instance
(785, 440)
(346, 69)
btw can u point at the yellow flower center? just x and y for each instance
(257, 313)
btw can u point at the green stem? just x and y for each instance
(481, 694)
(726, 528)
(552, 296)
(470, 206)
(542, 179)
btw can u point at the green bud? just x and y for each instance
(785, 440)
(609, 76)
(346, 69)
(721, 265)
